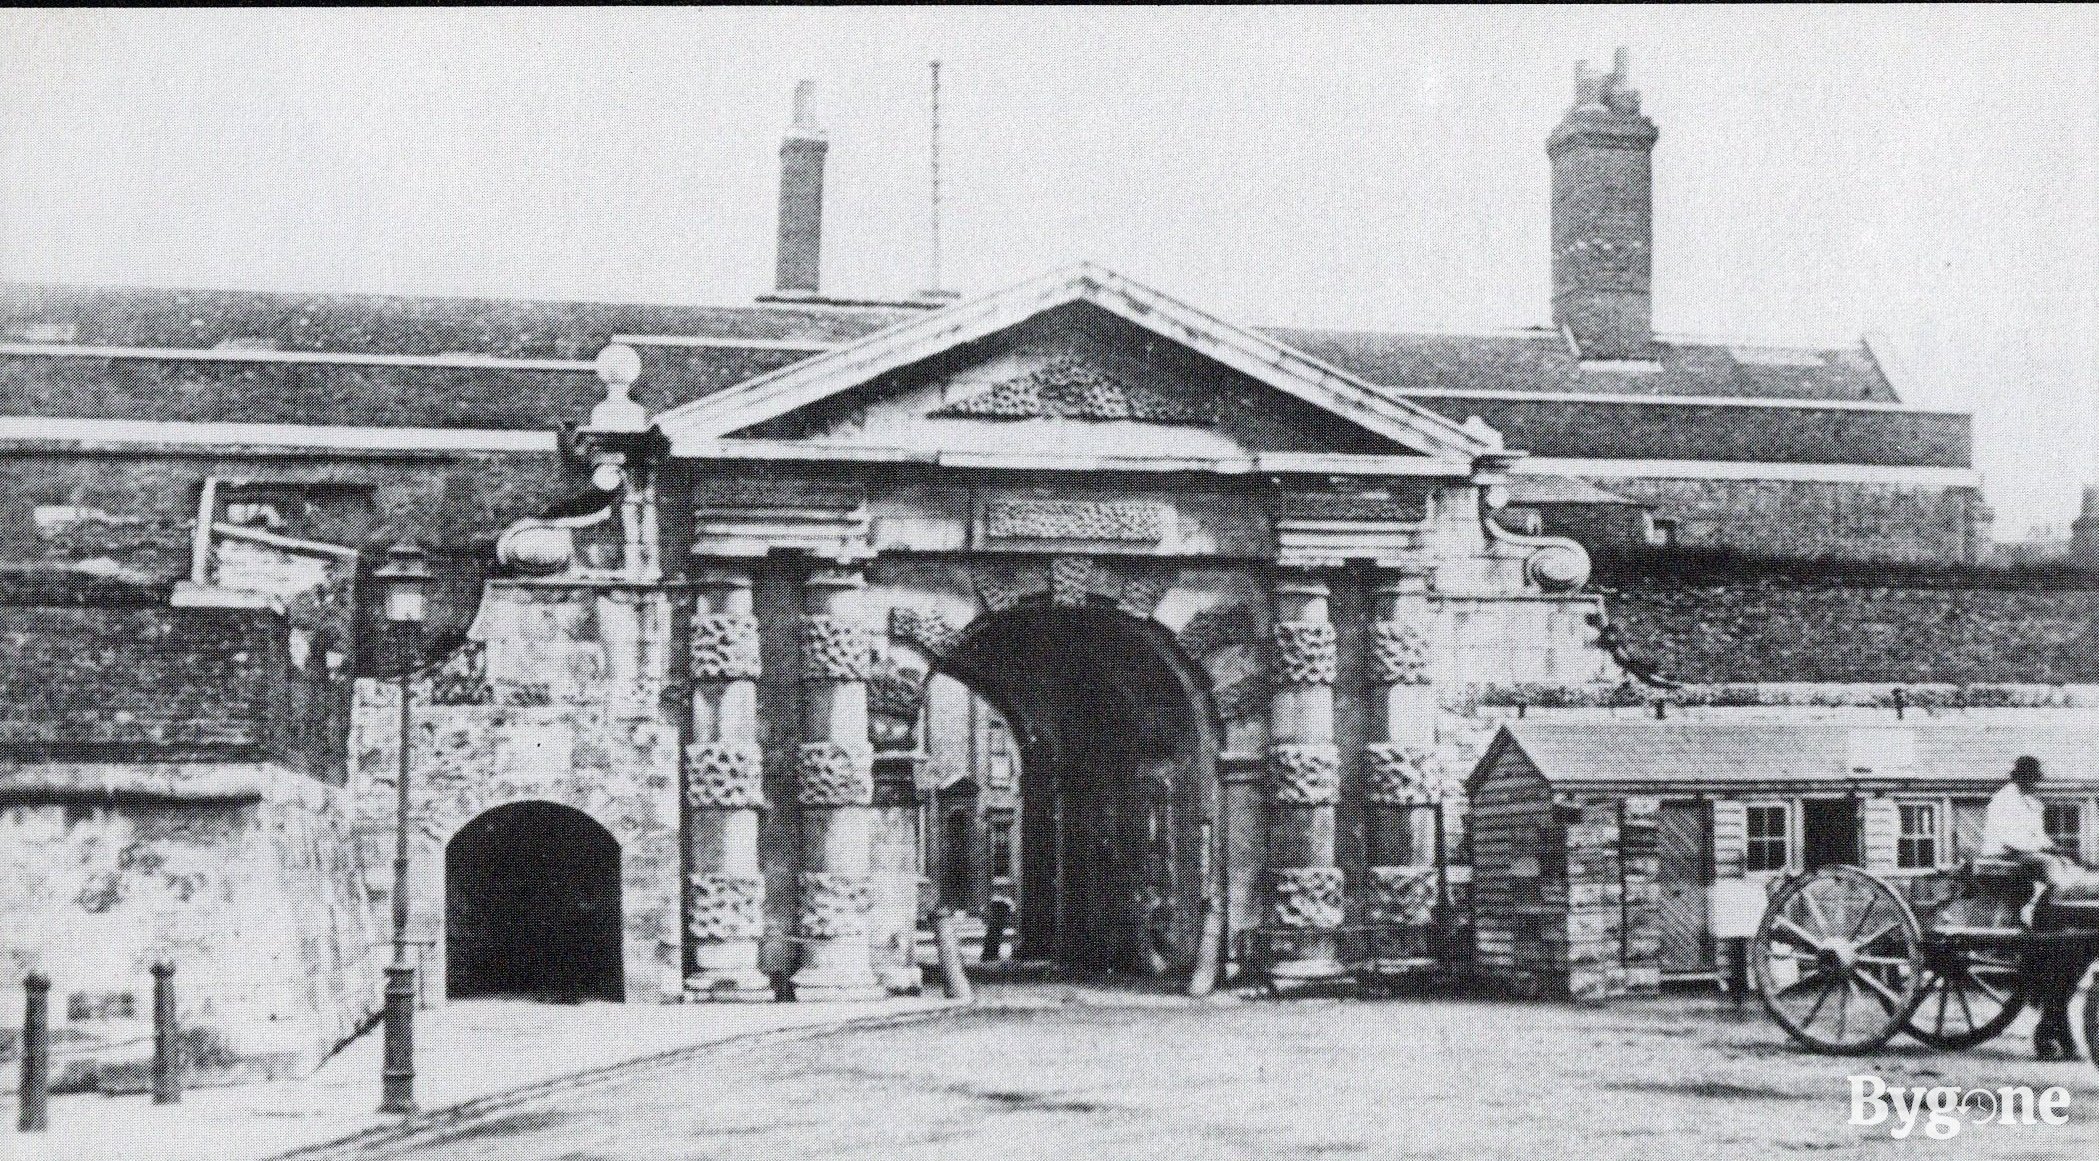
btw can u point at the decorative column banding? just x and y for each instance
(724, 791)
(1305, 885)
(834, 786)
(1402, 771)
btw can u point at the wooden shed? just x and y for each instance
(1597, 844)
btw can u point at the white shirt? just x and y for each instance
(2013, 825)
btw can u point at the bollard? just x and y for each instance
(167, 1065)
(36, 1054)
(952, 976)
(1203, 980)
(397, 1061)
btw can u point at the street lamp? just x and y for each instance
(404, 583)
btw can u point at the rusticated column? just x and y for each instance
(1303, 782)
(724, 886)
(1402, 785)
(835, 787)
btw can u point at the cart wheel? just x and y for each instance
(1838, 960)
(2084, 1032)
(1968, 995)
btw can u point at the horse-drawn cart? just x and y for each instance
(1844, 959)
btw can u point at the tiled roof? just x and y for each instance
(1973, 748)
(1538, 360)
(1561, 490)
(1738, 621)
(125, 317)
(1534, 362)
(1589, 429)
(306, 393)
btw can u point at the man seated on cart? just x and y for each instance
(2014, 831)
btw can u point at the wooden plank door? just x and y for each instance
(1684, 842)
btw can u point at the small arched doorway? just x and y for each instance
(1117, 780)
(532, 906)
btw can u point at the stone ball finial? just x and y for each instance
(618, 366)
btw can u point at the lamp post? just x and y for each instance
(404, 582)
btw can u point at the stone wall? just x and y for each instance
(564, 694)
(245, 877)
(1738, 622)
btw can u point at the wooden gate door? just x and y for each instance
(1685, 844)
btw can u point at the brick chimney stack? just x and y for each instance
(2084, 532)
(801, 199)
(1603, 217)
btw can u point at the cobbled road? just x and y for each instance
(1053, 1071)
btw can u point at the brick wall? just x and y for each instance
(138, 509)
(1807, 520)
(101, 671)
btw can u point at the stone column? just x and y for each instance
(835, 786)
(724, 793)
(1303, 782)
(1402, 784)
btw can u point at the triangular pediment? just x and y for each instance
(1080, 360)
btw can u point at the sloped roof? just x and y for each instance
(372, 323)
(1969, 750)
(1510, 379)
(1539, 360)
(1563, 490)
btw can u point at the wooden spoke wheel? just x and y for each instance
(1838, 960)
(1967, 995)
(2084, 1014)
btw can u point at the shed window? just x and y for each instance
(1917, 839)
(2065, 824)
(1768, 838)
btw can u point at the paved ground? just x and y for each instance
(465, 1050)
(1046, 1071)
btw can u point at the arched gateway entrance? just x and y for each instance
(532, 906)
(1117, 780)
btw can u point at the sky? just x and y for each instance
(1930, 175)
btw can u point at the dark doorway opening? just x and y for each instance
(1117, 781)
(532, 906)
(1829, 833)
